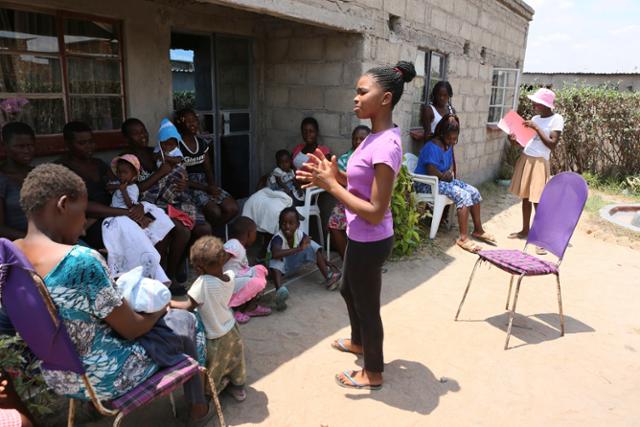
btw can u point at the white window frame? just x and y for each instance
(503, 105)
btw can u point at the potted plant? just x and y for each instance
(509, 157)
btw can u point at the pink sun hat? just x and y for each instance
(129, 158)
(544, 97)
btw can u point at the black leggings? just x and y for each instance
(361, 284)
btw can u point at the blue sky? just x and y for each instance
(584, 36)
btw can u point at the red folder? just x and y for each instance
(513, 123)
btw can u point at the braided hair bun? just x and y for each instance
(407, 70)
(392, 79)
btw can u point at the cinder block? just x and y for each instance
(324, 74)
(416, 10)
(307, 97)
(339, 99)
(439, 19)
(308, 49)
(396, 7)
(343, 48)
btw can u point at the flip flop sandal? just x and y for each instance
(333, 281)
(469, 246)
(487, 238)
(241, 317)
(339, 345)
(258, 311)
(282, 294)
(516, 236)
(239, 394)
(354, 384)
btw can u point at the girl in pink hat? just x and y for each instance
(532, 170)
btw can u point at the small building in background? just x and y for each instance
(624, 82)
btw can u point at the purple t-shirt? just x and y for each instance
(383, 147)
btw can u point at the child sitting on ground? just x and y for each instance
(249, 281)
(283, 178)
(290, 249)
(210, 294)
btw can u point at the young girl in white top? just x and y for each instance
(438, 107)
(210, 294)
(532, 169)
(129, 245)
(250, 280)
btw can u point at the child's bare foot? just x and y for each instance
(346, 346)
(518, 235)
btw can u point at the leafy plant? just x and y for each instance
(510, 155)
(17, 360)
(406, 216)
(184, 99)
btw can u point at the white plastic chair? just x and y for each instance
(436, 200)
(309, 209)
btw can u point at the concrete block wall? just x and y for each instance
(475, 35)
(306, 71)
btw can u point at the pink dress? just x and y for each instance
(249, 281)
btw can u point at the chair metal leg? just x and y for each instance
(509, 294)
(172, 402)
(473, 272)
(513, 312)
(329, 246)
(71, 417)
(118, 420)
(214, 396)
(560, 306)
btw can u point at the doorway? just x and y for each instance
(213, 74)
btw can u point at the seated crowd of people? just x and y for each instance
(155, 209)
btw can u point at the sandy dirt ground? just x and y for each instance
(441, 372)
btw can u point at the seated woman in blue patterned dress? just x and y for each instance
(108, 335)
(436, 158)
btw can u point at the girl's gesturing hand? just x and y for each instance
(319, 171)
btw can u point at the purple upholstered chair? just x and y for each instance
(34, 316)
(555, 220)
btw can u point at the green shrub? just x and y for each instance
(184, 99)
(27, 381)
(406, 216)
(510, 155)
(601, 133)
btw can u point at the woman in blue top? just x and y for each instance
(103, 327)
(436, 159)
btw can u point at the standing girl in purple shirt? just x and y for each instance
(369, 181)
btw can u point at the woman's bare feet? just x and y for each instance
(346, 346)
(468, 245)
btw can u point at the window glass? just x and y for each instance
(503, 93)
(33, 79)
(89, 75)
(103, 113)
(90, 37)
(30, 74)
(44, 115)
(27, 31)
